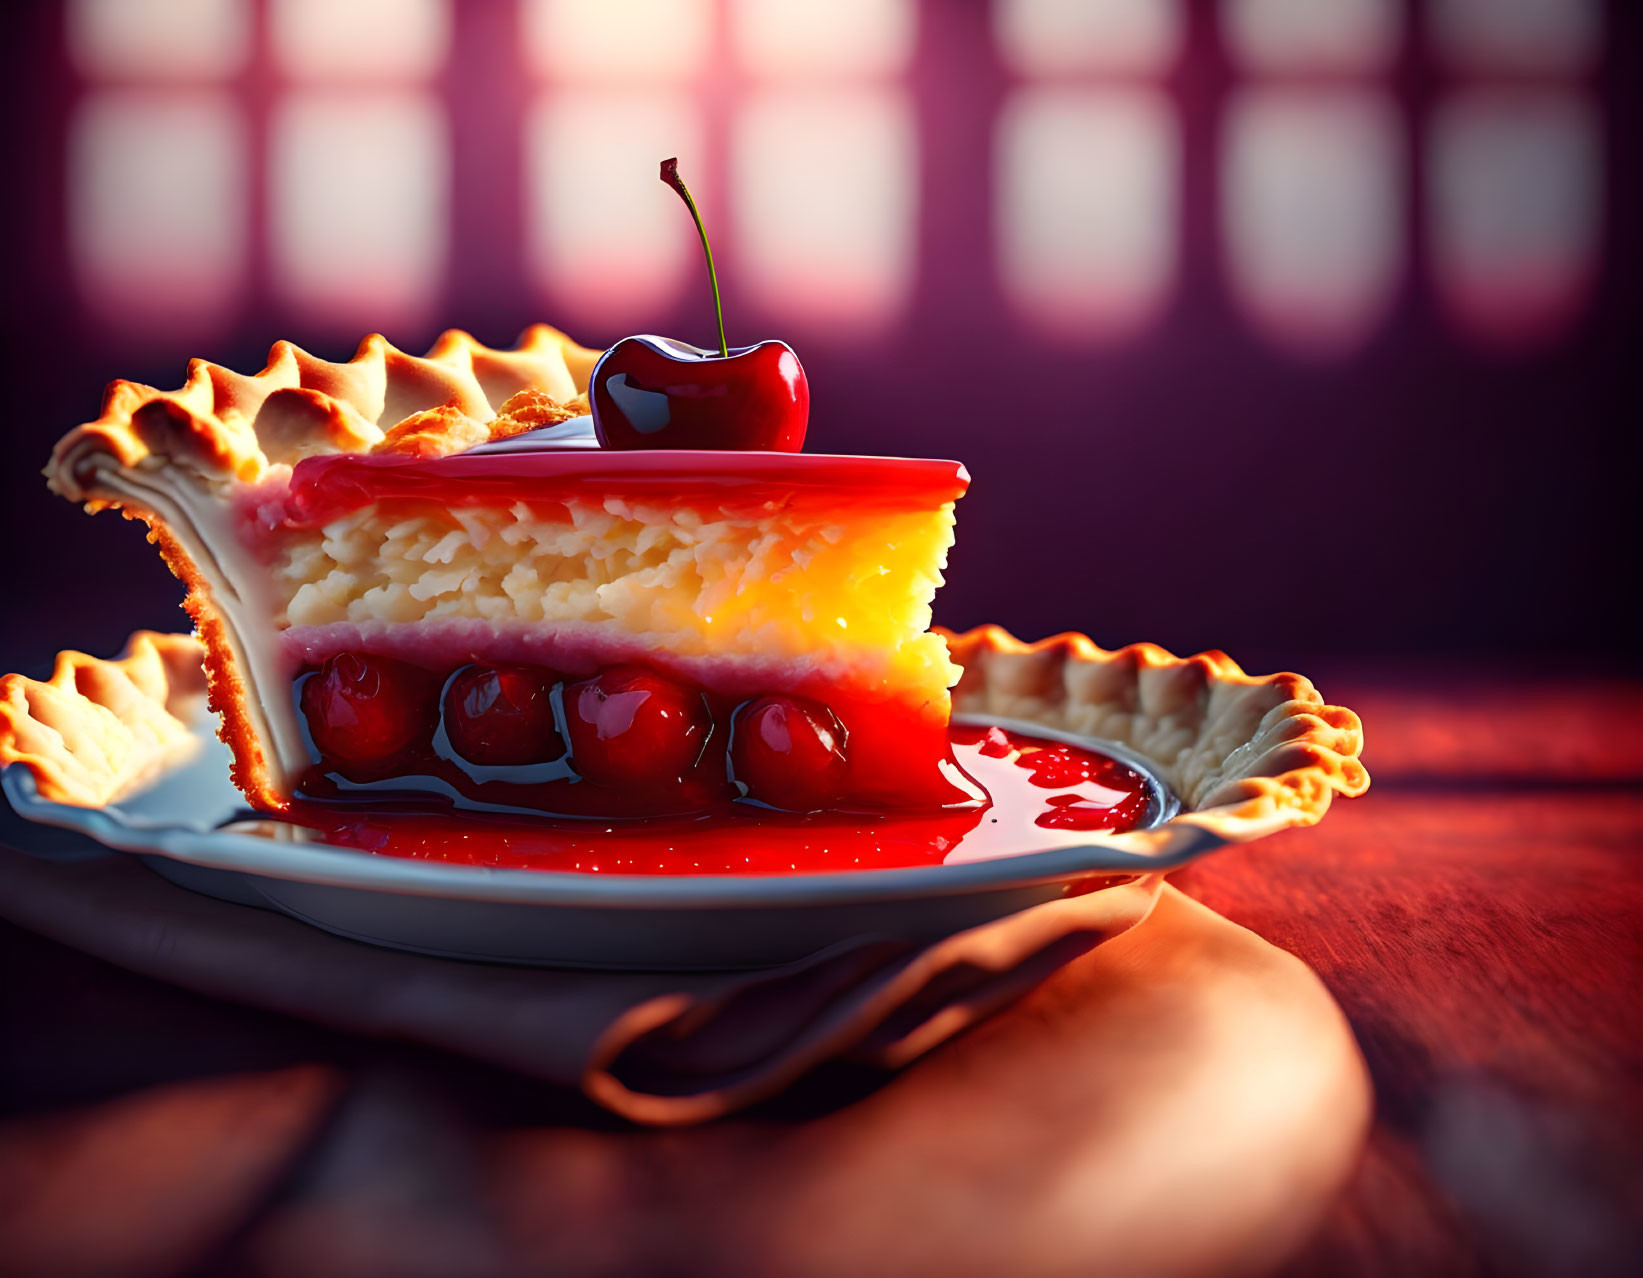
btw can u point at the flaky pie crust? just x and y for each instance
(223, 428)
(227, 426)
(99, 729)
(1246, 755)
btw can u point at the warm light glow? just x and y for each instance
(1050, 37)
(631, 40)
(824, 37)
(1518, 35)
(359, 186)
(1313, 200)
(1351, 36)
(1086, 193)
(159, 39)
(1515, 208)
(360, 39)
(607, 240)
(825, 193)
(157, 207)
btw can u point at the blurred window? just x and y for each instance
(356, 40)
(159, 40)
(1313, 210)
(359, 218)
(1086, 195)
(825, 188)
(605, 239)
(1514, 200)
(155, 252)
(1313, 36)
(1545, 36)
(609, 41)
(831, 38)
(1056, 37)
(1515, 167)
(1087, 172)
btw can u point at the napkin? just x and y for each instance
(656, 1048)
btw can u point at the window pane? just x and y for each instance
(826, 37)
(1086, 193)
(1048, 37)
(1313, 193)
(151, 250)
(159, 39)
(609, 243)
(361, 39)
(632, 40)
(359, 184)
(1515, 200)
(825, 189)
(1314, 36)
(1518, 35)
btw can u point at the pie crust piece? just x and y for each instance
(172, 459)
(100, 729)
(1246, 755)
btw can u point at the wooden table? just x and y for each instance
(1479, 916)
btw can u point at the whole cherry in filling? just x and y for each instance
(502, 716)
(788, 752)
(366, 709)
(629, 726)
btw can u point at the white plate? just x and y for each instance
(554, 917)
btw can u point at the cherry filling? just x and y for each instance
(626, 742)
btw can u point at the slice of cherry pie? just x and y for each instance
(422, 578)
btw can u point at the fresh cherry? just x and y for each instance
(366, 709)
(502, 716)
(653, 392)
(788, 752)
(629, 726)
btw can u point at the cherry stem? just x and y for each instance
(670, 175)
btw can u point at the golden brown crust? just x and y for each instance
(226, 426)
(226, 692)
(96, 728)
(1246, 755)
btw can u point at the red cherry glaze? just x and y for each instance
(1061, 767)
(739, 838)
(1073, 812)
(363, 709)
(630, 727)
(788, 752)
(652, 392)
(502, 716)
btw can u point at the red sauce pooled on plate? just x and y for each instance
(1042, 794)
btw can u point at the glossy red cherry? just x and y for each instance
(502, 716)
(365, 709)
(653, 392)
(629, 726)
(788, 752)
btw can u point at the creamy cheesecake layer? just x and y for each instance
(851, 596)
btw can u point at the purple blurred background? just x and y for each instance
(1300, 329)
